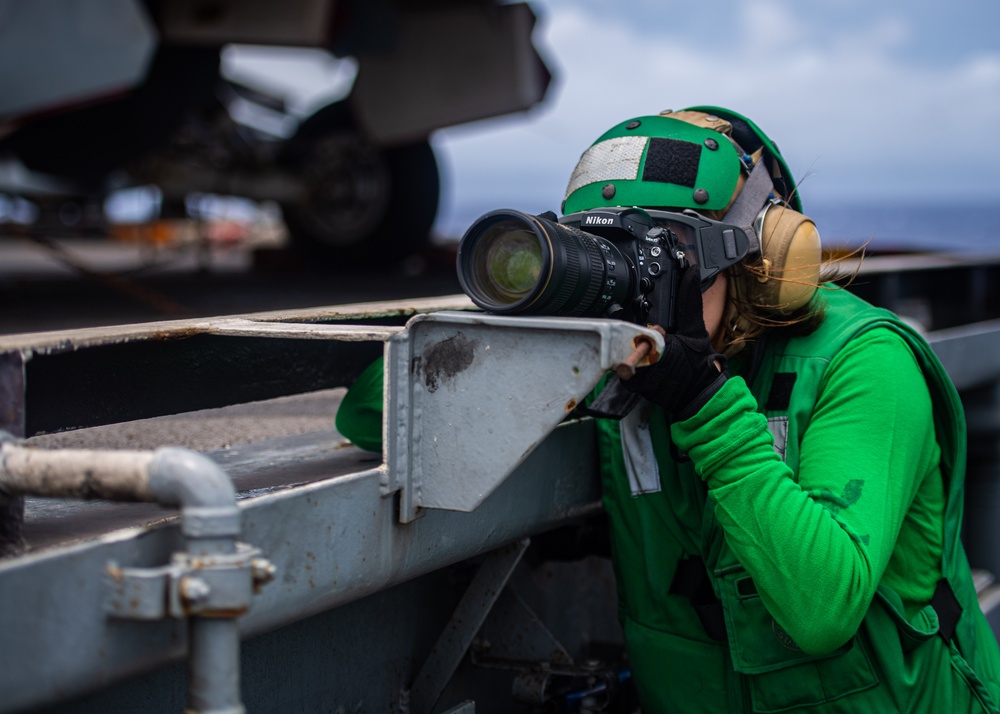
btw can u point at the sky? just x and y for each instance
(870, 101)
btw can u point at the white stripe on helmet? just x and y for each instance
(614, 159)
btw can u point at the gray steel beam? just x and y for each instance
(970, 353)
(332, 541)
(56, 381)
(12, 421)
(209, 584)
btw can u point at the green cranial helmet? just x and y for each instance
(693, 158)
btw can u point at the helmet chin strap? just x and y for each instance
(756, 191)
(744, 211)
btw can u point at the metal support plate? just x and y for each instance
(468, 396)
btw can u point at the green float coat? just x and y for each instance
(359, 416)
(825, 560)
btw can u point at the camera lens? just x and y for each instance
(514, 263)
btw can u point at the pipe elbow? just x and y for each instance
(199, 487)
(185, 478)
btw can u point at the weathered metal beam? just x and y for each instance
(332, 541)
(12, 421)
(970, 353)
(56, 381)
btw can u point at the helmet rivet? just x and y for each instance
(700, 196)
(609, 191)
(634, 124)
(712, 144)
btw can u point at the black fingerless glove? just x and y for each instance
(686, 376)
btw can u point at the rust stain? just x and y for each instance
(570, 405)
(223, 613)
(653, 356)
(177, 334)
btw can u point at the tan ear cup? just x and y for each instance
(791, 259)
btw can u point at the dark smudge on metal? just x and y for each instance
(446, 359)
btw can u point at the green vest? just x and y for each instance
(893, 663)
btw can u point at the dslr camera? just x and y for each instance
(622, 263)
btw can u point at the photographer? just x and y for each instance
(785, 498)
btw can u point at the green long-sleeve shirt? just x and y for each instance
(866, 506)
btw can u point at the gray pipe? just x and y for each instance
(210, 521)
(203, 492)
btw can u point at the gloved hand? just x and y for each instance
(686, 376)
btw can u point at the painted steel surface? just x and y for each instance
(332, 542)
(336, 540)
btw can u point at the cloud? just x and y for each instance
(843, 100)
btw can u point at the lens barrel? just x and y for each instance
(511, 262)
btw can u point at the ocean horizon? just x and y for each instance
(970, 228)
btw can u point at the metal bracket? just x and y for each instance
(468, 617)
(215, 586)
(470, 395)
(514, 638)
(468, 707)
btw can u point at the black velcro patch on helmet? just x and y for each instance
(781, 391)
(672, 161)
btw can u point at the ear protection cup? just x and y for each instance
(791, 256)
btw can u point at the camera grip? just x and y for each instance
(666, 287)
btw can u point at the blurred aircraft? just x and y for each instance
(99, 95)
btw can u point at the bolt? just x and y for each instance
(262, 571)
(194, 591)
(634, 124)
(712, 144)
(608, 191)
(700, 196)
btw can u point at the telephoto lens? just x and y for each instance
(512, 263)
